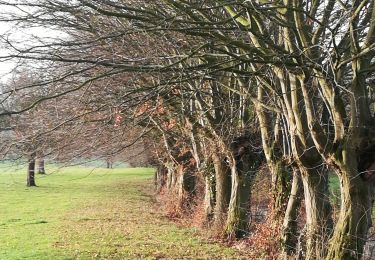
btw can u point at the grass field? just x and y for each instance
(80, 213)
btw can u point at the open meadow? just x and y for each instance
(86, 213)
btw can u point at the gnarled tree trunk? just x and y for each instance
(354, 220)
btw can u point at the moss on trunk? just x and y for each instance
(318, 211)
(353, 223)
(289, 234)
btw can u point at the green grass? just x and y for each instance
(80, 213)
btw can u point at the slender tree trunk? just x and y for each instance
(41, 169)
(160, 176)
(209, 197)
(181, 193)
(318, 211)
(222, 186)
(289, 236)
(31, 172)
(171, 176)
(354, 219)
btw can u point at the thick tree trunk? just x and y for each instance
(289, 236)
(41, 169)
(280, 189)
(31, 173)
(354, 219)
(185, 185)
(318, 211)
(222, 186)
(238, 219)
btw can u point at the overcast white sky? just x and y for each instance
(24, 37)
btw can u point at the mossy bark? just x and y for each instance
(281, 186)
(289, 234)
(354, 219)
(238, 220)
(318, 211)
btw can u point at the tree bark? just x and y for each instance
(160, 176)
(181, 193)
(238, 220)
(171, 175)
(318, 211)
(209, 197)
(185, 184)
(354, 219)
(289, 236)
(280, 188)
(223, 187)
(31, 173)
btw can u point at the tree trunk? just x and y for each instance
(318, 211)
(222, 186)
(354, 219)
(41, 169)
(181, 193)
(238, 219)
(280, 189)
(171, 175)
(209, 197)
(160, 176)
(289, 236)
(109, 163)
(31, 173)
(185, 185)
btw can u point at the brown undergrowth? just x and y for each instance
(263, 239)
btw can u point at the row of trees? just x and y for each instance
(218, 88)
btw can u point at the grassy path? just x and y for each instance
(76, 213)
